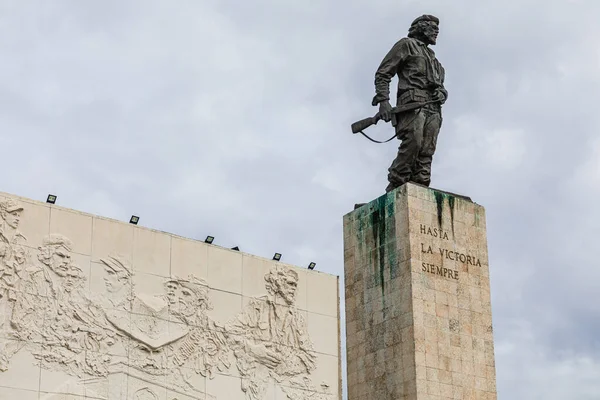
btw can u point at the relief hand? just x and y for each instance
(385, 111)
(264, 355)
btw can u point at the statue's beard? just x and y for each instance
(425, 37)
(429, 38)
(289, 298)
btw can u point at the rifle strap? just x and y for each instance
(376, 141)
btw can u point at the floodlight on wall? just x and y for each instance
(209, 239)
(312, 265)
(235, 248)
(277, 257)
(134, 219)
(51, 199)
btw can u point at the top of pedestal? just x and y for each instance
(416, 190)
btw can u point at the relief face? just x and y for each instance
(120, 344)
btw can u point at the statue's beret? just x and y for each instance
(426, 18)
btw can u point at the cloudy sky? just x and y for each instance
(231, 118)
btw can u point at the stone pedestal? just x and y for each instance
(418, 312)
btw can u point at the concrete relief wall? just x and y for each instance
(92, 308)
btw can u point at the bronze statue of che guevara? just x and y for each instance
(421, 93)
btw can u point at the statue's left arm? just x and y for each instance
(442, 93)
(387, 69)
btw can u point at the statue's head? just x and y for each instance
(172, 291)
(10, 211)
(55, 252)
(193, 295)
(282, 282)
(118, 273)
(73, 278)
(425, 28)
(187, 296)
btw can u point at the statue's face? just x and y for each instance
(13, 219)
(60, 261)
(112, 281)
(171, 289)
(20, 255)
(187, 301)
(287, 288)
(430, 32)
(73, 279)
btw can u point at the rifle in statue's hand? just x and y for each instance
(363, 124)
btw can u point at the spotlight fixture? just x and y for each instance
(134, 220)
(277, 257)
(312, 265)
(209, 239)
(51, 199)
(235, 248)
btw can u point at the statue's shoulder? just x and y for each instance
(408, 41)
(258, 302)
(405, 44)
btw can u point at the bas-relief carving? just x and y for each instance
(270, 340)
(121, 344)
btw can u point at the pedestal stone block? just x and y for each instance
(418, 312)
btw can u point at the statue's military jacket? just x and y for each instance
(419, 73)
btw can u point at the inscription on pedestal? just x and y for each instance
(434, 232)
(442, 271)
(452, 255)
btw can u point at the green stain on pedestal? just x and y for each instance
(451, 204)
(376, 240)
(378, 222)
(476, 215)
(383, 220)
(391, 209)
(439, 200)
(392, 256)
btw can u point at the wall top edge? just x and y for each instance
(70, 210)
